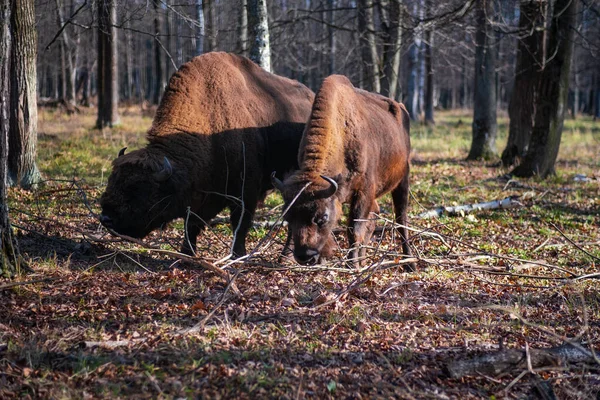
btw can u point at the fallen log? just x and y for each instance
(508, 202)
(508, 361)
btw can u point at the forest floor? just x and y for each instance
(107, 318)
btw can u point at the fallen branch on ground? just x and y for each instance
(508, 202)
(509, 360)
(110, 344)
(13, 284)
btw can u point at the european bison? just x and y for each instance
(355, 148)
(222, 126)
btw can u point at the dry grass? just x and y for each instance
(304, 333)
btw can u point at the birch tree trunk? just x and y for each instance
(529, 58)
(22, 169)
(200, 28)
(483, 145)
(366, 27)
(7, 244)
(108, 87)
(243, 28)
(553, 94)
(260, 48)
(391, 48)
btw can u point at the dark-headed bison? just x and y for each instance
(222, 126)
(355, 149)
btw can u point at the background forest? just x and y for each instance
(504, 99)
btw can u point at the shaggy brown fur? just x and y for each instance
(224, 124)
(361, 140)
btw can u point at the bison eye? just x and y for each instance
(321, 220)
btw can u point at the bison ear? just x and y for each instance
(166, 171)
(122, 152)
(277, 184)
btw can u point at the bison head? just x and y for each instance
(140, 195)
(311, 217)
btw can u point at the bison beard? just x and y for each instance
(222, 126)
(362, 141)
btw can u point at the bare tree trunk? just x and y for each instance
(485, 127)
(108, 87)
(258, 21)
(553, 94)
(22, 140)
(128, 65)
(159, 75)
(8, 259)
(178, 36)
(392, 43)
(331, 4)
(167, 42)
(521, 106)
(210, 19)
(366, 27)
(429, 77)
(243, 28)
(68, 54)
(200, 28)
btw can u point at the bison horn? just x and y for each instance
(330, 191)
(166, 171)
(277, 184)
(122, 152)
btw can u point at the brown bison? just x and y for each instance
(222, 126)
(355, 148)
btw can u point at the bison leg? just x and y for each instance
(360, 228)
(400, 198)
(241, 228)
(189, 240)
(287, 252)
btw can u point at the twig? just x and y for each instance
(13, 284)
(573, 243)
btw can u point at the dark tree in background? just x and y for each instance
(553, 93)
(108, 86)
(368, 46)
(22, 140)
(485, 127)
(429, 73)
(523, 99)
(159, 85)
(7, 244)
(392, 47)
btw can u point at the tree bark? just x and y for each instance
(7, 245)
(158, 70)
(553, 94)
(366, 27)
(210, 19)
(392, 44)
(243, 28)
(260, 48)
(22, 168)
(529, 58)
(483, 145)
(200, 28)
(331, 4)
(108, 88)
(429, 120)
(68, 54)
